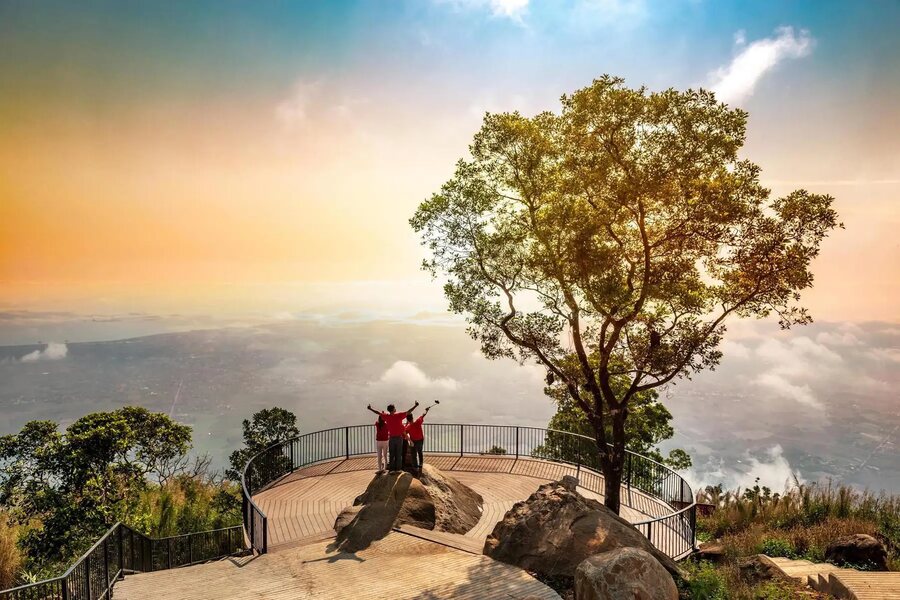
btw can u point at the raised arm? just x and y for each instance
(413, 407)
(373, 410)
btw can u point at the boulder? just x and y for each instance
(858, 550)
(713, 552)
(623, 573)
(758, 569)
(432, 500)
(557, 528)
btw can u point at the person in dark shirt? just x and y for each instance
(416, 438)
(396, 431)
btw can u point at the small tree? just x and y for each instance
(265, 428)
(609, 243)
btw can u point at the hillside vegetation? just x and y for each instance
(799, 523)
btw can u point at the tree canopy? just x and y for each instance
(78, 482)
(610, 242)
(264, 428)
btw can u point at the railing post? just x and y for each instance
(252, 518)
(628, 472)
(190, 549)
(517, 442)
(650, 531)
(347, 441)
(169, 553)
(121, 553)
(87, 576)
(460, 440)
(265, 544)
(693, 514)
(65, 588)
(293, 464)
(106, 561)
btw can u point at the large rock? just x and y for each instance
(557, 528)
(858, 550)
(759, 568)
(623, 573)
(431, 501)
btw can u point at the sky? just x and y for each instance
(266, 156)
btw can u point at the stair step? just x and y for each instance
(841, 583)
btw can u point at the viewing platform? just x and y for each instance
(294, 490)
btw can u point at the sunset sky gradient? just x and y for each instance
(167, 151)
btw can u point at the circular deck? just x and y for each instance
(294, 490)
(302, 507)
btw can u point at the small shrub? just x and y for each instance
(706, 583)
(499, 450)
(776, 547)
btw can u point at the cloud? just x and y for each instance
(735, 82)
(409, 374)
(293, 111)
(509, 9)
(768, 468)
(53, 351)
(785, 389)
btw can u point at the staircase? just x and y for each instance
(841, 583)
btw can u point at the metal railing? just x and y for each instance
(647, 485)
(123, 550)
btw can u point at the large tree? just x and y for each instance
(610, 242)
(68, 487)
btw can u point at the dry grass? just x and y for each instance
(10, 558)
(799, 523)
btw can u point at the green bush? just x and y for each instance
(777, 547)
(706, 583)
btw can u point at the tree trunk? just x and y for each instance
(613, 462)
(612, 474)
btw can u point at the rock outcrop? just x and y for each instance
(432, 500)
(757, 569)
(623, 573)
(557, 528)
(858, 550)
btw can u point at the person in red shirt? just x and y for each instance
(381, 443)
(396, 431)
(416, 438)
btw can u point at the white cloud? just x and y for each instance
(53, 351)
(509, 9)
(771, 469)
(791, 363)
(409, 374)
(735, 82)
(732, 349)
(293, 111)
(778, 384)
(615, 9)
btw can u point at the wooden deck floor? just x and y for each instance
(306, 503)
(399, 566)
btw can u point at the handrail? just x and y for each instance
(122, 550)
(673, 533)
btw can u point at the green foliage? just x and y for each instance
(68, 488)
(777, 547)
(706, 583)
(264, 428)
(648, 424)
(187, 504)
(498, 450)
(610, 242)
